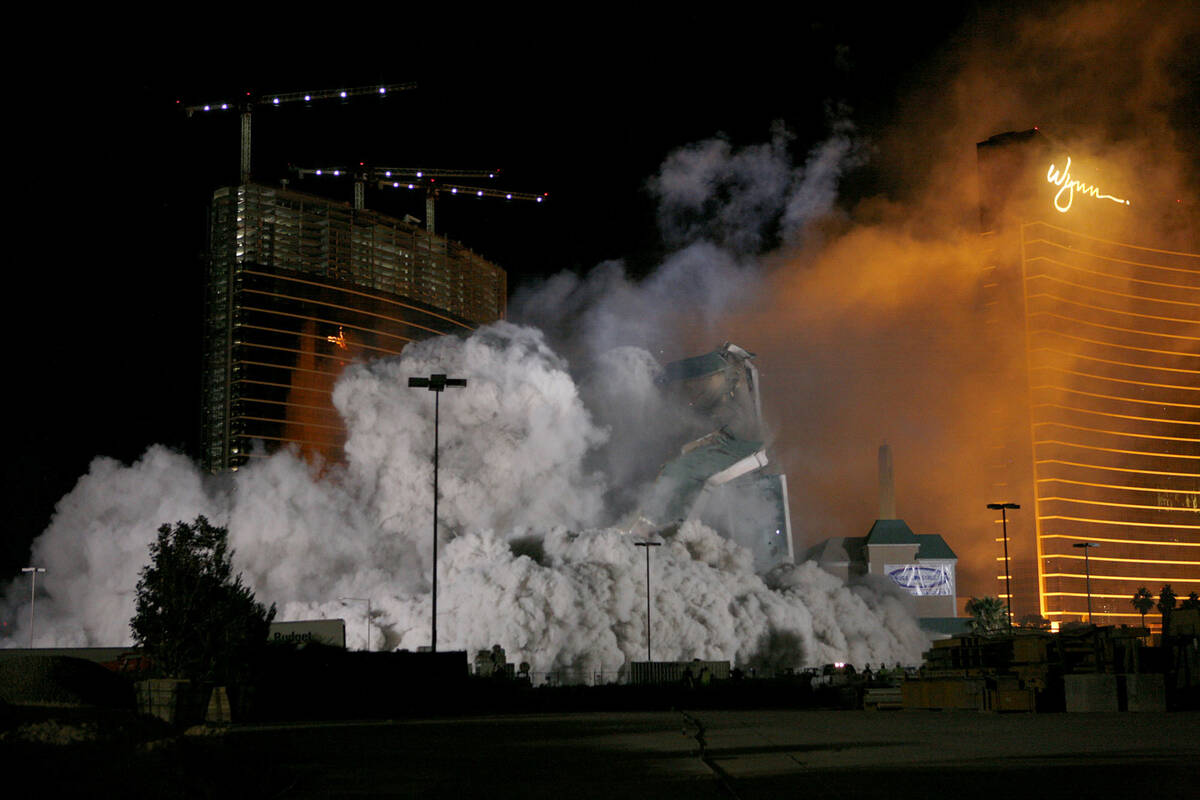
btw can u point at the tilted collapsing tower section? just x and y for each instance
(721, 477)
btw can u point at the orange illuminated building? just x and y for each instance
(1097, 336)
(300, 286)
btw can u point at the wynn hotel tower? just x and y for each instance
(1097, 434)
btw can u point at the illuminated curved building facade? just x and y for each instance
(299, 287)
(1104, 456)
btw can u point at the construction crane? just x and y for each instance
(253, 100)
(413, 178)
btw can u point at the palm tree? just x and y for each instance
(1143, 601)
(988, 615)
(1166, 604)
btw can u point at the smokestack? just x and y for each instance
(887, 485)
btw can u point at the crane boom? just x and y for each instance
(372, 174)
(472, 191)
(251, 100)
(280, 98)
(423, 177)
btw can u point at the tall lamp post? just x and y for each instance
(436, 384)
(1002, 508)
(1087, 571)
(366, 600)
(33, 573)
(647, 545)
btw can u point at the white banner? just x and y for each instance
(922, 579)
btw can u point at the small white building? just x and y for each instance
(921, 564)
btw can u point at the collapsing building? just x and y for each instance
(721, 477)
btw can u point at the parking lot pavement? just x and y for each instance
(740, 754)
(746, 755)
(841, 754)
(570, 756)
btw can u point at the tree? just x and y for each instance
(988, 615)
(1166, 604)
(1193, 601)
(1143, 602)
(194, 617)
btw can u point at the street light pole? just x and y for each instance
(366, 600)
(1001, 507)
(1087, 571)
(437, 384)
(647, 545)
(33, 573)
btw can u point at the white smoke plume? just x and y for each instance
(746, 200)
(531, 556)
(720, 207)
(520, 565)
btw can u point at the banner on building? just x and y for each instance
(922, 579)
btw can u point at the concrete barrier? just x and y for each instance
(1086, 693)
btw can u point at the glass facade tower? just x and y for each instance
(1113, 335)
(1101, 440)
(299, 287)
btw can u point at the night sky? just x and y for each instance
(113, 180)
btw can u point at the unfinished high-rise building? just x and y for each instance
(300, 286)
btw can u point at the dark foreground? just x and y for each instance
(663, 754)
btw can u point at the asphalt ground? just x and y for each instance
(676, 754)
